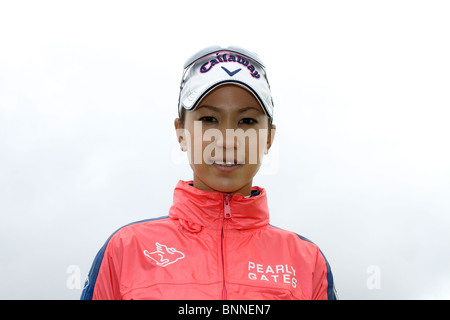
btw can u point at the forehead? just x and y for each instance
(229, 98)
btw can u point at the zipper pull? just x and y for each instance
(226, 205)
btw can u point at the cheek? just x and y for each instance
(254, 147)
(195, 146)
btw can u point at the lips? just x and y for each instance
(226, 166)
(224, 162)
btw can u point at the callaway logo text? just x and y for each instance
(230, 58)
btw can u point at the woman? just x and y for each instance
(216, 242)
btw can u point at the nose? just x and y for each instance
(228, 143)
(227, 140)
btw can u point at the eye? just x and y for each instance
(208, 119)
(248, 121)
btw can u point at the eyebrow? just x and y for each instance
(218, 109)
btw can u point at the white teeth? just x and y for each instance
(229, 164)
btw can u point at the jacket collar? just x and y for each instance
(195, 207)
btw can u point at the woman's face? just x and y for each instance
(228, 125)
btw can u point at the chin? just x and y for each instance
(225, 185)
(225, 182)
(238, 184)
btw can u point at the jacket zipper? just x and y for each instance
(226, 215)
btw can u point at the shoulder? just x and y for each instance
(302, 247)
(294, 239)
(136, 228)
(113, 246)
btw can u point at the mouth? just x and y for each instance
(226, 163)
(226, 166)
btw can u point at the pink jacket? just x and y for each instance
(212, 245)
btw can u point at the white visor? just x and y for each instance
(215, 66)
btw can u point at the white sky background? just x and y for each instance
(361, 162)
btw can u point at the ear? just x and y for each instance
(270, 138)
(181, 138)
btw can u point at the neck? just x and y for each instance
(205, 208)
